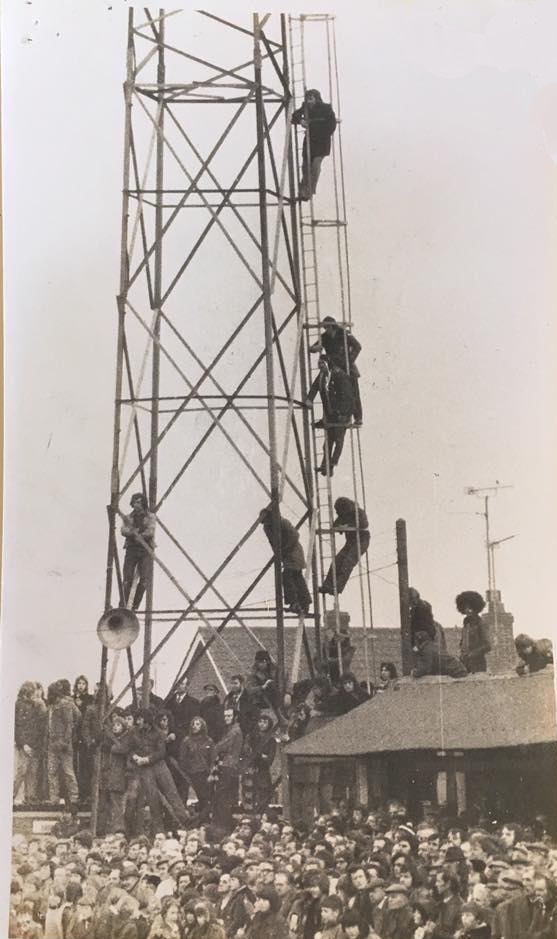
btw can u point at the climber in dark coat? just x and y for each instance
(353, 521)
(296, 594)
(342, 349)
(320, 123)
(474, 642)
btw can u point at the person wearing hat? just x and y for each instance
(397, 921)
(319, 121)
(341, 348)
(138, 529)
(353, 522)
(296, 594)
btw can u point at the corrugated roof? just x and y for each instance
(383, 645)
(473, 713)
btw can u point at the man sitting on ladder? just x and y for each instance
(320, 122)
(352, 520)
(296, 593)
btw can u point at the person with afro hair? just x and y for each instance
(474, 641)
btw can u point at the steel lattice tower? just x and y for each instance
(209, 420)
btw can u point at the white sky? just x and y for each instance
(449, 127)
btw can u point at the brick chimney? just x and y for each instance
(502, 657)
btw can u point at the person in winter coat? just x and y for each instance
(183, 707)
(267, 923)
(113, 775)
(331, 912)
(338, 406)
(225, 773)
(342, 349)
(388, 678)
(296, 594)
(212, 712)
(126, 922)
(139, 524)
(83, 757)
(196, 756)
(429, 661)
(238, 699)
(29, 732)
(474, 642)
(262, 683)
(534, 654)
(319, 121)
(150, 780)
(206, 926)
(397, 919)
(349, 696)
(421, 616)
(353, 521)
(64, 721)
(473, 925)
(167, 924)
(261, 751)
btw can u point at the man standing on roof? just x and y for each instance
(296, 594)
(319, 121)
(353, 521)
(342, 349)
(139, 524)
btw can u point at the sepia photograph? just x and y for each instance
(280, 516)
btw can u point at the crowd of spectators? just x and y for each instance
(351, 874)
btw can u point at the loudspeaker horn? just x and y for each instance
(118, 628)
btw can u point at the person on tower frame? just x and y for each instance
(342, 349)
(337, 413)
(296, 594)
(353, 521)
(319, 121)
(474, 642)
(140, 523)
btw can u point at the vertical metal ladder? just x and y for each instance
(325, 542)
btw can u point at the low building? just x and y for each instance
(483, 744)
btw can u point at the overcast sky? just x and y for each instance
(450, 136)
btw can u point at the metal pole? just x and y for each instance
(487, 542)
(403, 587)
(268, 323)
(115, 475)
(155, 380)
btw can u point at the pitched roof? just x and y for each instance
(219, 664)
(473, 713)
